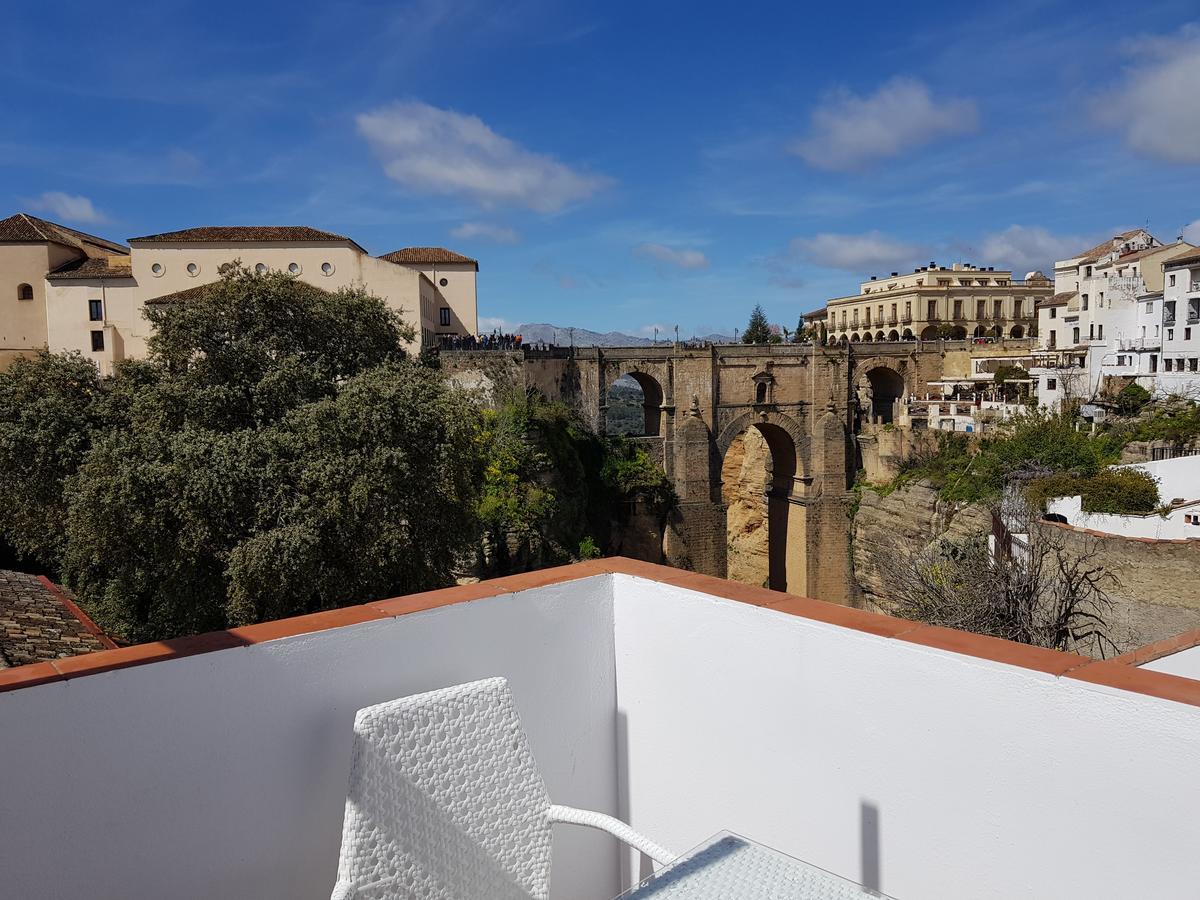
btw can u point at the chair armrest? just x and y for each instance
(615, 827)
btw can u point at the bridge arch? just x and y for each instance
(766, 494)
(650, 423)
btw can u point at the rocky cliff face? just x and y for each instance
(744, 483)
(911, 517)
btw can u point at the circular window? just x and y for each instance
(327, 268)
(157, 269)
(261, 268)
(443, 282)
(294, 268)
(193, 269)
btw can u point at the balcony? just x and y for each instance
(882, 750)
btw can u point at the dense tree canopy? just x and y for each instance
(275, 454)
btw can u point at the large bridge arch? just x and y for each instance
(786, 462)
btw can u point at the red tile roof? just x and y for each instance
(1185, 260)
(236, 234)
(1106, 246)
(39, 621)
(92, 267)
(1057, 300)
(26, 229)
(420, 255)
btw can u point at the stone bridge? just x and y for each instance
(806, 401)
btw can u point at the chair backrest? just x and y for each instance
(445, 800)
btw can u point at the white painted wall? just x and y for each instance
(989, 781)
(1178, 479)
(225, 774)
(1185, 663)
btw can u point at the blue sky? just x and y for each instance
(612, 165)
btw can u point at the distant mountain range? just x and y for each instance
(537, 332)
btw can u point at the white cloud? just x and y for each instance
(1026, 248)
(69, 207)
(439, 151)
(865, 252)
(1191, 232)
(1155, 105)
(851, 131)
(684, 259)
(488, 324)
(501, 234)
(652, 329)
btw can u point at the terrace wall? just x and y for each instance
(224, 774)
(880, 754)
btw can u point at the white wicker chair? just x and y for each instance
(446, 802)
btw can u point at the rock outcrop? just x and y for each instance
(910, 517)
(744, 477)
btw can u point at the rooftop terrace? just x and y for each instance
(926, 762)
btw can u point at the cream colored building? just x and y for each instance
(969, 301)
(93, 301)
(30, 248)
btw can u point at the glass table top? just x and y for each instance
(730, 867)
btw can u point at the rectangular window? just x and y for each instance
(97, 341)
(1172, 281)
(1100, 331)
(444, 316)
(1075, 335)
(1187, 334)
(1084, 300)
(958, 309)
(1052, 384)
(95, 311)
(1017, 308)
(1053, 341)
(1192, 363)
(1167, 364)
(1053, 312)
(931, 310)
(1149, 307)
(1153, 363)
(980, 309)
(1170, 334)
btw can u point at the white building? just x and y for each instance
(1178, 491)
(1104, 320)
(1180, 371)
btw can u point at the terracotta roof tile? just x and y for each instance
(1057, 300)
(24, 228)
(1141, 254)
(1187, 259)
(418, 255)
(216, 234)
(40, 622)
(93, 267)
(1106, 246)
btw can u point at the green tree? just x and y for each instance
(757, 330)
(1132, 398)
(50, 407)
(276, 454)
